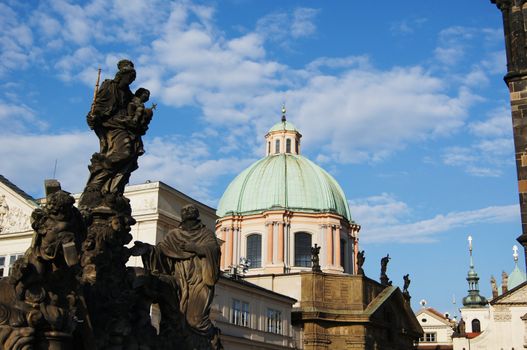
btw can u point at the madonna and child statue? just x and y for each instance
(72, 289)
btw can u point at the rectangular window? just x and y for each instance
(428, 338)
(6, 263)
(240, 313)
(12, 259)
(274, 321)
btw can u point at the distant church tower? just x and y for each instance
(514, 25)
(475, 306)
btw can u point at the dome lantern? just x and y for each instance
(282, 138)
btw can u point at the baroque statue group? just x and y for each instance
(72, 289)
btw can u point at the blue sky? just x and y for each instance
(402, 102)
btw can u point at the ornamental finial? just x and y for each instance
(283, 112)
(515, 252)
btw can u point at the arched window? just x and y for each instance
(254, 250)
(302, 249)
(288, 146)
(476, 326)
(277, 146)
(269, 147)
(296, 146)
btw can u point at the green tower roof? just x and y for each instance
(283, 181)
(516, 277)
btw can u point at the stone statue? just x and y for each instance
(384, 264)
(406, 279)
(112, 290)
(504, 282)
(315, 259)
(360, 261)
(183, 269)
(119, 118)
(41, 299)
(494, 287)
(4, 210)
(461, 328)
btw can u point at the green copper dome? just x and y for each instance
(283, 125)
(283, 181)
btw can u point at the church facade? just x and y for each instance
(288, 222)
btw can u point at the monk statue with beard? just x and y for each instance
(181, 272)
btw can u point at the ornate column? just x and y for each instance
(223, 236)
(280, 255)
(336, 245)
(513, 13)
(329, 245)
(230, 255)
(270, 233)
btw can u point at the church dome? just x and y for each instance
(283, 125)
(284, 181)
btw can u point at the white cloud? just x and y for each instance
(279, 27)
(378, 211)
(407, 26)
(349, 109)
(382, 220)
(184, 163)
(187, 165)
(302, 24)
(490, 151)
(18, 118)
(27, 161)
(498, 123)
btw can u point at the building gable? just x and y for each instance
(16, 207)
(517, 295)
(433, 317)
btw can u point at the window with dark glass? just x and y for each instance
(6, 263)
(288, 146)
(476, 326)
(274, 321)
(302, 249)
(12, 260)
(296, 146)
(277, 146)
(269, 147)
(240, 313)
(254, 250)
(2, 265)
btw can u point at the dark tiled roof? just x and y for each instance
(17, 189)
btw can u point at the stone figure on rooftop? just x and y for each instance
(406, 279)
(185, 267)
(384, 265)
(315, 258)
(493, 286)
(360, 262)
